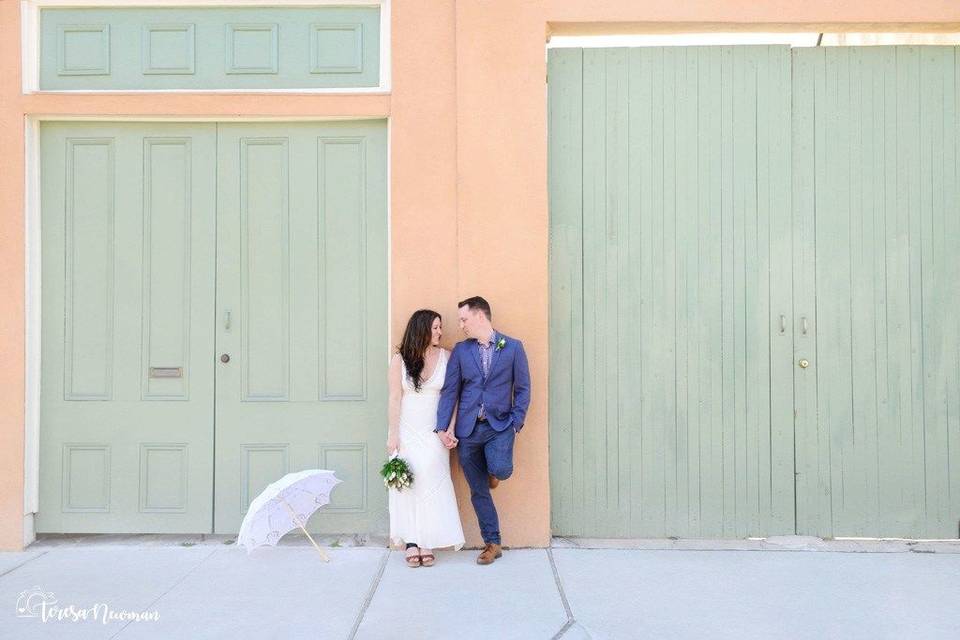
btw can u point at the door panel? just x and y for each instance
(301, 312)
(128, 224)
(671, 381)
(878, 427)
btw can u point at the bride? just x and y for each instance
(425, 515)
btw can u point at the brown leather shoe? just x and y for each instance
(490, 553)
(492, 481)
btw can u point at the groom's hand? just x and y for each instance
(449, 441)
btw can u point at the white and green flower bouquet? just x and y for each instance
(396, 473)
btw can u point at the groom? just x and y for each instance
(487, 378)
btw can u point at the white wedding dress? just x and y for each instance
(425, 513)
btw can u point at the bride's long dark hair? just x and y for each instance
(416, 340)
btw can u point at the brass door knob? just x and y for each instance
(804, 363)
(225, 358)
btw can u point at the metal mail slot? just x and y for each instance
(166, 372)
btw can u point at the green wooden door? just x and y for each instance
(165, 245)
(878, 212)
(671, 381)
(753, 275)
(302, 314)
(128, 238)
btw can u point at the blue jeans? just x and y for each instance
(486, 451)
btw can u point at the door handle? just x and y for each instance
(783, 324)
(803, 325)
(226, 320)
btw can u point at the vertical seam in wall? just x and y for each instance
(582, 258)
(812, 287)
(456, 144)
(794, 199)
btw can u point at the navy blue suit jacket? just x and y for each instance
(505, 393)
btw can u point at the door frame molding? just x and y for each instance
(33, 275)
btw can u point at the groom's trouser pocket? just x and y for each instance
(498, 451)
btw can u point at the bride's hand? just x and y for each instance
(393, 444)
(452, 440)
(446, 439)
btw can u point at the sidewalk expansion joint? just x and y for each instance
(374, 585)
(563, 597)
(171, 588)
(24, 562)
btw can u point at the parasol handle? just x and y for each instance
(299, 524)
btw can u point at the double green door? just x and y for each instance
(751, 282)
(213, 297)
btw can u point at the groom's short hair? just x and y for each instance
(476, 302)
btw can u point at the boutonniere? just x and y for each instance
(501, 343)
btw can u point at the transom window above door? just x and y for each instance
(209, 48)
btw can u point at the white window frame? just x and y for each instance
(30, 41)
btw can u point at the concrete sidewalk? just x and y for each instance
(205, 587)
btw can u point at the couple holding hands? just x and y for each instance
(485, 381)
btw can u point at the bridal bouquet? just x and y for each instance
(396, 474)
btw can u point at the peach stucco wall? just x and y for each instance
(468, 161)
(12, 304)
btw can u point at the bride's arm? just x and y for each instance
(393, 412)
(451, 428)
(449, 393)
(449, 399)
(453, 418)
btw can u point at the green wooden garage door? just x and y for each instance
(878, 212)
(168, 245)
(670, 387)
(721, 217)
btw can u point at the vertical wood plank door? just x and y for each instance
(753, 281)
(302, 315)
(671, 377)
(877, 206)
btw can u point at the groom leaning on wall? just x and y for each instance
(488, 381)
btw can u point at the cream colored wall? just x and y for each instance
(468, 160)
